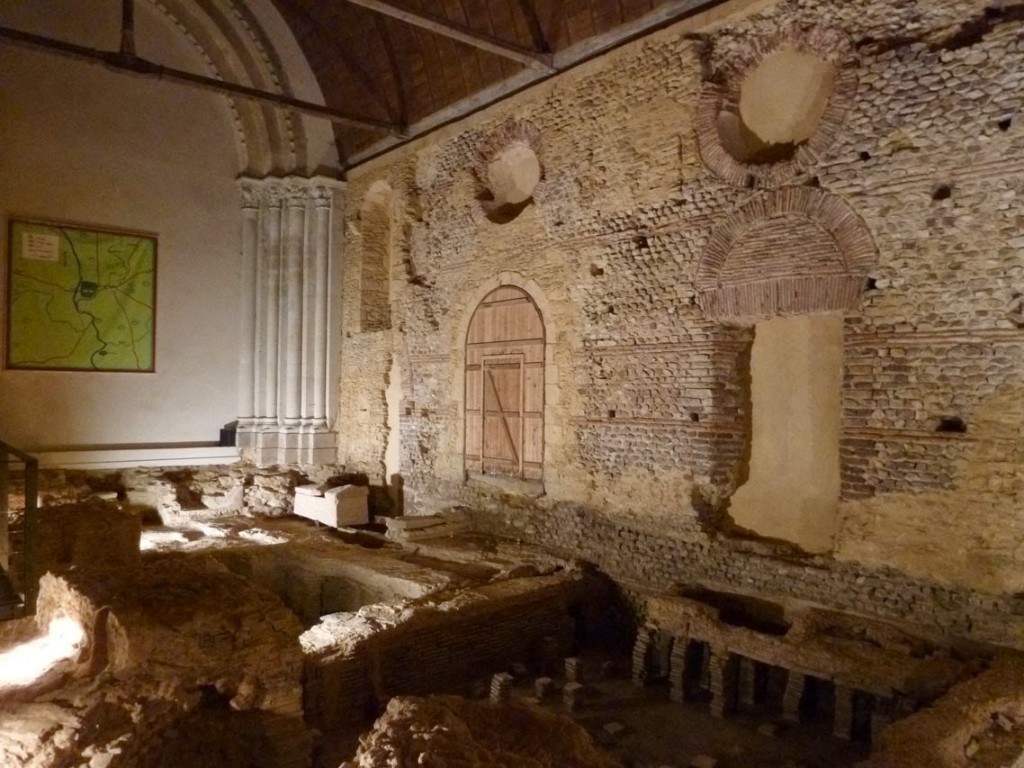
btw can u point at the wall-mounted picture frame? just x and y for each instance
(80, 298)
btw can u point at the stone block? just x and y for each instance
(341, 506)
(418, 527)
(572, 696)
(412, 522)
(543, 686)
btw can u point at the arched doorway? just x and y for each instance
(504, 406)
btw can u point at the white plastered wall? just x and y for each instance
(81, 144)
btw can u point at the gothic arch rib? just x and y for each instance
(236, 49)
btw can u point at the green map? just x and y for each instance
(80, 299)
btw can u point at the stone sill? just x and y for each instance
(118, 458)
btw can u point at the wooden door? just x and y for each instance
(505, 387)
(502, 409)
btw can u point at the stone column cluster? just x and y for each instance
(289, 306)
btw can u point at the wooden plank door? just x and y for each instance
(504, 387)
(502, 408)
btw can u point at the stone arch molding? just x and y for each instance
(234, 43)
(789, 251)
(721, 94)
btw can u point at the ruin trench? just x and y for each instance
(274, 644)
(279, 643)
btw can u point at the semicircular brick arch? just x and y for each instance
(723, 93)
(788, 251)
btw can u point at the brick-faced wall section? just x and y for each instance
(443, 648)
(362, 425)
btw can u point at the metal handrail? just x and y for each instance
(29, 578)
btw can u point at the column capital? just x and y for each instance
(252, 194)
(325, 183)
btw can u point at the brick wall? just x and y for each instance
(439, 648)
(658, 560)
(647, 420)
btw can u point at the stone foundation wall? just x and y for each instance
(91, 534)
(665, 559)
(978, 722)
(647, 396)
(182, 660)
(439, 647)
(182, 492)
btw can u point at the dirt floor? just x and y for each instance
(642, 727)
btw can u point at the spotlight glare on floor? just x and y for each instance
(26, 663)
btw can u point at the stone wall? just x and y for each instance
(441, 644)
(647, 420)
(977, 723)
(183, 660)
(649, 558)
(172, 494)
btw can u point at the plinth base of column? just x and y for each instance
(266, 448)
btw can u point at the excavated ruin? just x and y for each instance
(188, 635)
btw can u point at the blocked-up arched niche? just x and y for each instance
(770, 113)
(788, 251)
(504, 380)
(376, 224)
(790, 263)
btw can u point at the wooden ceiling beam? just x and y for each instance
(671, 11)
(437, 25)
(127, 63)
(540, 41)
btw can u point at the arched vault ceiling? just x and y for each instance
(376, 59)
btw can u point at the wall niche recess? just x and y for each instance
(508, 167)
(768, 114)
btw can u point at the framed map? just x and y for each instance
(80, 299)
